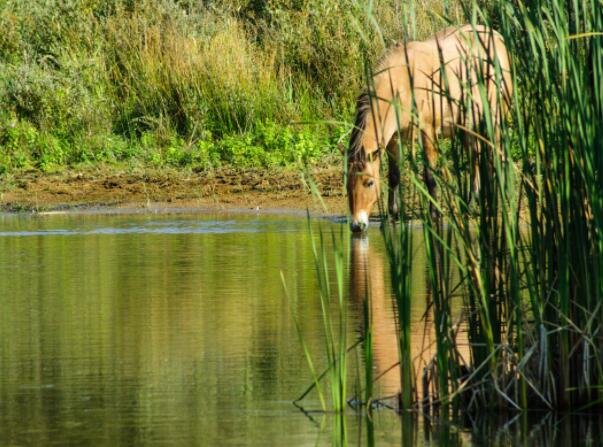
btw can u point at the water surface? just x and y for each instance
(173, 329)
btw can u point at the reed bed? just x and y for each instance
(528, 247)
(524, 253)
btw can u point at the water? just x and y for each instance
(151, 329)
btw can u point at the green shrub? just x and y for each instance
(213, 82)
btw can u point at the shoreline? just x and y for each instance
(109, 189)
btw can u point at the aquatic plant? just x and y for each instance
(527, 252)
(330, 260)
(523, 253)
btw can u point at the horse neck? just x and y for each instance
(371, 135)
(382, 124)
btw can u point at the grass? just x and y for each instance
(532, 286)
(185, 83)
(330, 259)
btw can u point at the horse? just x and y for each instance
(424, 89)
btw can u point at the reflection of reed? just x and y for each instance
(539, 429)
(369, 280)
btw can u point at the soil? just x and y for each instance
(226, 188)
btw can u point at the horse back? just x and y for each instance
(437, 77)
(451, 67)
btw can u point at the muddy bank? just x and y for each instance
(220, 189)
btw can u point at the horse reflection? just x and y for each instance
(369, 280)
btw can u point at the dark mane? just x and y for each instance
(355, 149)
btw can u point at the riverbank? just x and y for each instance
(126, 187)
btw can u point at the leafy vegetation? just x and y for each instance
(183, 82)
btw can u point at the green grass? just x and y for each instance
(186, 83)
(330, 259)
(530, 262)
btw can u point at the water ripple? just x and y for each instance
(166, 227)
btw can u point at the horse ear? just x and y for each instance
(341, 148)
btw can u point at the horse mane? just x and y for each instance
(363, 107)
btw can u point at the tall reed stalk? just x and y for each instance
(330, 261)
(399, 245)
(524, 253)
(527, 249)
(534, 254)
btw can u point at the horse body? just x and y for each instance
(424, 89)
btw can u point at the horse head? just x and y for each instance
(363, 189)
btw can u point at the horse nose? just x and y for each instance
(358, 227)
(360, 224)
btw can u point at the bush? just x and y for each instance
(208, 82)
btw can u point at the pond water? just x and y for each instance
(174, 329)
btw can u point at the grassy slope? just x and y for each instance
(186, 83)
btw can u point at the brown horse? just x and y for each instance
(444, 76)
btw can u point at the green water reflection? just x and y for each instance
(174, 330)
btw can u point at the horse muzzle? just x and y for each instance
(360, 223)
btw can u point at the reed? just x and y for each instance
(399, 244)
(562, 164)
(330, 261)
(528, 250)
(523, 254)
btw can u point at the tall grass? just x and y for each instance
(331, 255)
(524, 253)
(184, 82)
(399, 245)
(528, 250)
(564, 180)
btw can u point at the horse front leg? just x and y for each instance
(431, 160)
(393, 176)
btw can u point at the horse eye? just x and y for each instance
(369, 183)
